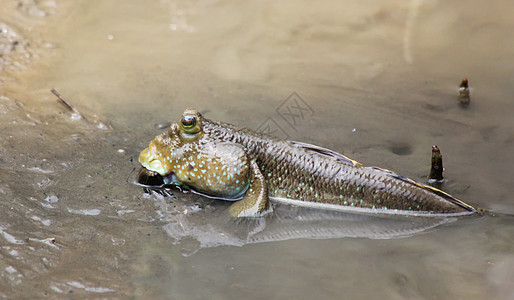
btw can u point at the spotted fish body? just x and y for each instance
(222, 161)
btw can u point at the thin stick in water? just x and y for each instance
(66, 103)
(63, 101)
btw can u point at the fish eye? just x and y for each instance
(190, 126)
(188, 122)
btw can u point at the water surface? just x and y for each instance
(378, 82)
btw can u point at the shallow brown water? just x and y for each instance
(379, 81)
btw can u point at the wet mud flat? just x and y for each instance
(72, 223)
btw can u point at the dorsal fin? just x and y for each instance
(326, 152)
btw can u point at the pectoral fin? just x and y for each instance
(255, 202)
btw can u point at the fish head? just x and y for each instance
(187, 155)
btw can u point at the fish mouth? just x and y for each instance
(147, 177)
(152, 179)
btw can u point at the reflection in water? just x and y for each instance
(209, 224)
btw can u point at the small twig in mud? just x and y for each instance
(128, 177)
(66, 103)
(464, 97)
(63, 101)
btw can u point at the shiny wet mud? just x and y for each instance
(378, 82)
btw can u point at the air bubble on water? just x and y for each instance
(80, 285)
(46, 205)
(9, 238)
(75, 116)
(55, 289)
(85, 212)
(102, 126)
(99, 290)
(44, 182)
(125, 211)
(51, 199)
(196, 207)
(76, 284)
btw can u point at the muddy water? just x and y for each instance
(372, 80)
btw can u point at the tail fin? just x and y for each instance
(434, 190)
